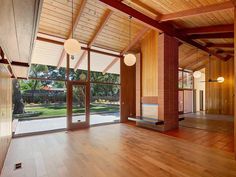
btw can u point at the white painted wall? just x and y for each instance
(198, 85)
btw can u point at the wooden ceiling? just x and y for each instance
(207, 22)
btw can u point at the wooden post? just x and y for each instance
(88, 90)
(234, 81)
(168, 81)
(127, 91)
(68, 92)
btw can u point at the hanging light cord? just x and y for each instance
(130, 17)
(72, 14)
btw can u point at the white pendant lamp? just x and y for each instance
(72, 46)
(197, 74)
(220, 79)
(130, 59)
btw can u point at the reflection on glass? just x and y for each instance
(187, 80)
(79, 104)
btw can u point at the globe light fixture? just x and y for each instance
(72, 46)
(197, 74)
(130, 59)
(220, 79)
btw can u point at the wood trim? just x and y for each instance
(197, 11)
(209, 29)
(167, 28)
(149, 100)
(78, 16)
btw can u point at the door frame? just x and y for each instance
(77, 125)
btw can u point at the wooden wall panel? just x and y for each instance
(138, 85)
(220, 96)
(128, 91)
(149, 64)
(5, 115)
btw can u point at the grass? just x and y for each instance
(60, 111)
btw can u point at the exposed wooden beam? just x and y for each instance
(50, 40)
(6, 61)
(168, 28)
(197, 11)
(209, 29)
(146, 7)
(134, 41)
(212, 35)
(83, 48)
(78, 16)
(220, 45)
(15, 63)
(103, 23)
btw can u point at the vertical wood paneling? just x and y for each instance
(5, 115)
(138, 85)
(219, 96)
(149, 64)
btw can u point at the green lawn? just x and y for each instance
(53, 111)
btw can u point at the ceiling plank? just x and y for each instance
(127, 48)
(212, 35)
(103, 23)
(197, 11)
(78, 16)
(146, 7)
(168, 28)
(209, 29)
(196, 62)
(188, 55)
(220, 45)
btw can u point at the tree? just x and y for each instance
(17, 98)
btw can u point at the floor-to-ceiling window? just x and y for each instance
(104, 89)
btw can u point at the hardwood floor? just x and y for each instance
(218, 140)
(117, 150)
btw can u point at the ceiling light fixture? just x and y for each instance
(130, 59)
(71, 45)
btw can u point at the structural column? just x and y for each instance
(234, 81)
(168, 81)
(127, 89)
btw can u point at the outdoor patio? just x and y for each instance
(39, 125)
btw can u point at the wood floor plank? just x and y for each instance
(115, 151)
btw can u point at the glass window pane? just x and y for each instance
(79, 103)
(180, 79)
(187, 80)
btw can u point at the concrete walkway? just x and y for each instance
(39, 125)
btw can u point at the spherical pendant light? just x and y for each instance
(197, 74)
(220, 79)
(130, 59)
(72, 46)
